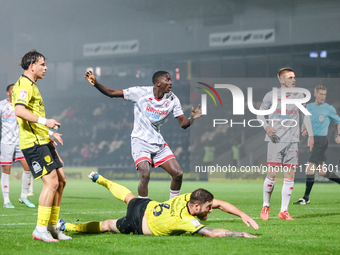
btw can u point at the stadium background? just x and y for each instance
(124, 42)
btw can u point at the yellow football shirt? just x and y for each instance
(171, 217)
(26, 93)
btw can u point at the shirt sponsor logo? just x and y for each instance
(23, 94)
(196, 223)
(153, 113)
(287, 111)
(36, 167)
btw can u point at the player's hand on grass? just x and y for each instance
(249, 221)
(196, 113)
(89, 76)
(270, 131)
(247, 235)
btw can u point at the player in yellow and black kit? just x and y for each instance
(37, 147)
(173, 217)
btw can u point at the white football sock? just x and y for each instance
(41, 228)
(26, 179)
(143, 197)
(30, 187)
(268, 187)
(5, 187)
(174, 193)
(287, 190)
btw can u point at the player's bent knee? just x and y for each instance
(62, 184)
(144, 173)
(178, 175)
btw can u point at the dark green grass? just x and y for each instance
(315, 230)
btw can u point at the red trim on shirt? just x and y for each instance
(159, 99)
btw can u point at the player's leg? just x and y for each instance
(274, 159)
(141, 153)
(6, 159)
(290, 163)
(328, 174)
(43, 165)
(144, 175)
(6, 170)
(30, 187)
(310, 179)
(92, 227)
(174, 169)
(268, 187)
(287, 189)
(166, 159)
(26, 182)
(50, 186)
(119, 191)
(55, 210)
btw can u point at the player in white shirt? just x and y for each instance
(10, 151)
(282, 143)
(152, 105)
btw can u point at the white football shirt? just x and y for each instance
(9, 125)
(150, 113)
(286, 133)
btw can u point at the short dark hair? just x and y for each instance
(283, 70)
(158, 74)
(8, 87)
(201, 196)
(30, 57)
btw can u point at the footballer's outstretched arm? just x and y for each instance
(220, 232)
(187, 122)
(229, 208)
(107, 91)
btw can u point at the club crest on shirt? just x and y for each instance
(167, 103)
(23, 94)
(321, 118)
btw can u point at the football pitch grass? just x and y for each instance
(314, 231)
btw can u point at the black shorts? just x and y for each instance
(318, 154)
(42, 159)
(132, 222)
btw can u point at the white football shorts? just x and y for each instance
(283, 154)
(155, 154)
(10, 153)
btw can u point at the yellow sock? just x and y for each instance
(54, 215)
(90, 227)
(44, 214)
(117, 190)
